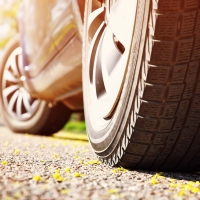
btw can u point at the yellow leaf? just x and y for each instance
(122, 169)
(64, 191)
(17, 152)
(119, 169)
(112, 191)
(56, 156)
(153, 181)
(195, 190)
(67, 169)
(61, 179)
(181, 193)
(114, 171)
(173, 185)
(76, 174)
(95, 162)
(36, 178)
(4, 162)
(86, 163)
(56, 175)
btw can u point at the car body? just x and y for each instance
(51, 41)
(41, 73)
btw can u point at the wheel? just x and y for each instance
(21, 112)
(141, 83)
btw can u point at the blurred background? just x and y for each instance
(8, 23)
(8, 28)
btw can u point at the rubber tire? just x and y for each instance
(156, 123)
(46, 120)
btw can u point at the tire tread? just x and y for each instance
(164, 124)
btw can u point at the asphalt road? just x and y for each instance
(34, 167)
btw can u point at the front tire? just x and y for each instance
(141, 91)
(21, 112)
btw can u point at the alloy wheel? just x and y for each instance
(110, 27)
(17, 100)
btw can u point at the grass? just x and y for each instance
(75, 126)
(73, 129)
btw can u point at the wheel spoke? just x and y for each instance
(7, 91)
(19, 61)
(93, 48)
(10, 77)
(14, 62)
(34, 106)
(99, 82)
(109, 50)
(95, 20)
(121, 20)
(12, 101)
(19, 105)
(26, 100)
(13, 66)
(102, 69)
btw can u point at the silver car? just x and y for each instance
(134, 64)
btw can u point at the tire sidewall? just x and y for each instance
(114, 132)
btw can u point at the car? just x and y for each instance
(133, 67)
(41, 86)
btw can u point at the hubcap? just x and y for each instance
(110, 29)
(17, 101)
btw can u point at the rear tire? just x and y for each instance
(153, 123)
(21, 112)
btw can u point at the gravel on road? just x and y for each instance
(38, 167)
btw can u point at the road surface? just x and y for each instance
(35, 167)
